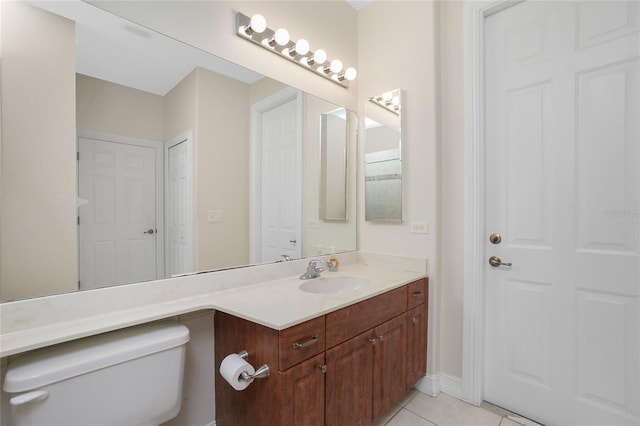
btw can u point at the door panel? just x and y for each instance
(563, 190)
(280, 200)
(349, 383)
(178, 211)
(118, 182)
(389, 363)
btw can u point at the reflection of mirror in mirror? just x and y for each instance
(333, 160)
(383, 157)
(162, 184)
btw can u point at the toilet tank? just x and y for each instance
(127, 377)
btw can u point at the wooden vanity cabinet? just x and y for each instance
(389, 364)
(417, 332)
(303, 392)
(343, 368)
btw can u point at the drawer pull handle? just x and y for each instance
(417, 294)
(309, 342)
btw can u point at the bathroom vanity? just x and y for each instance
(344, 367)
(265, 310)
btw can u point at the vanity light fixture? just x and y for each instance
(388, 101)
(255, 29)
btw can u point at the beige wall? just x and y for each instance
(222, 171)
(119, 110)
(216, 110)
(39, 200)
(397, 48)
(452, 202)
(180, 107)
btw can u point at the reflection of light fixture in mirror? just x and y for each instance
(389, 101)
(255, 29)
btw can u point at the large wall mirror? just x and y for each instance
(129, 156)
(383, 157)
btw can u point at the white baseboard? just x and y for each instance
(433, 384)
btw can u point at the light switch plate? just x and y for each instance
(419, 228)
(215, 216)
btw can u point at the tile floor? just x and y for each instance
(419, 409)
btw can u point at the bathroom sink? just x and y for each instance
(328, 285)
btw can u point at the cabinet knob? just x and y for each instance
(323, 368)
(373, 341)
(413, 319)
(380, 337)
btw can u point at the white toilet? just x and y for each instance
(122, 378)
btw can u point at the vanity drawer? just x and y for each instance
(302, 341)
(417, 294)
(355, 319)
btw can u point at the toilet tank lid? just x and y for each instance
(44, 366)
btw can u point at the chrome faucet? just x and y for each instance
(313, 270)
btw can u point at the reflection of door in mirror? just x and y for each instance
(179, 205)
(383, 158)
(118, 210)
(277, 145)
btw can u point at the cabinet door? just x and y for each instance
(416, 344)
(349, 383)
(389, 363)
(304, 393)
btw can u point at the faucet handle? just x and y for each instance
(317, 265)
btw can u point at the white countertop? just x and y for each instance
(276, 303)
(281, 304)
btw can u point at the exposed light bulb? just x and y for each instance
(336, 66)
(302, 47)
(282, 36)
(257, 24)
(350, 74)
(320, 57)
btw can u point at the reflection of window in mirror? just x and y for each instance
(383, 159)
(333, 163)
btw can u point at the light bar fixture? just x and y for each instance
(389, 101)
(255, 29)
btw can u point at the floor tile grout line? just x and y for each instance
(422, 417)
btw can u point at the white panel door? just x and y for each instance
(563, 188)
(117, 230)
(280, 200)
(179, 210)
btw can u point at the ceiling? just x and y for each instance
(113, 49)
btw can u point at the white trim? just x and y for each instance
(475, 12)
(429, 384)
(186, 137)
(257, 109)
(451, 385)
(432, 385)
(157, 146)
